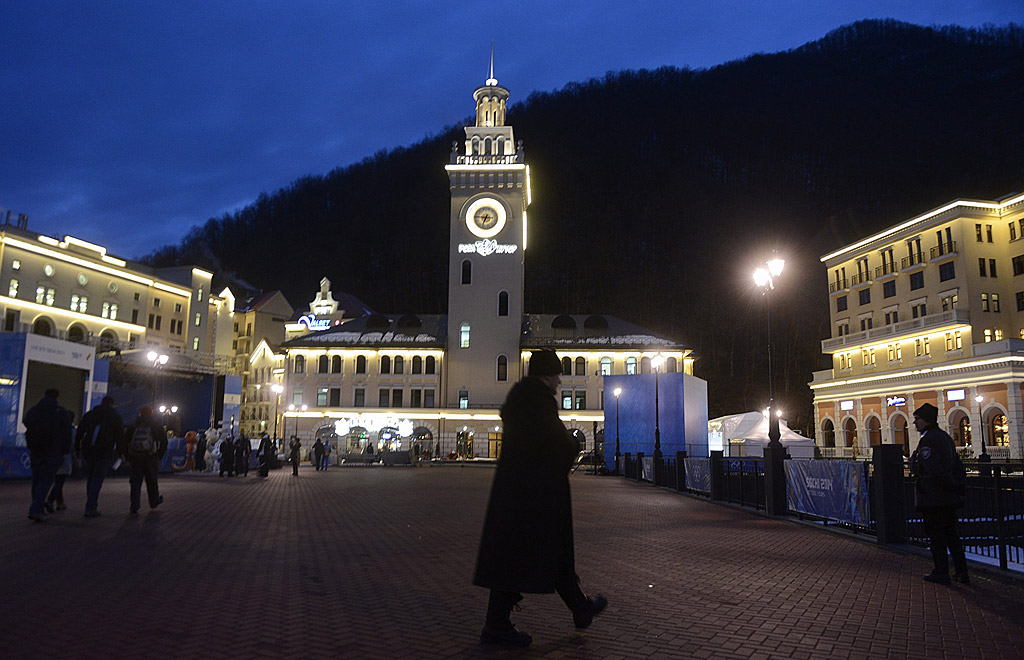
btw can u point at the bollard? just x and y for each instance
(717, 478)
(889, 494)
(775, 480)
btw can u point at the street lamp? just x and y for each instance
(277, 389)
(166, 410)
(656, 363)
(765, 278)
(156, 360)
(617, 393)
(981, 417)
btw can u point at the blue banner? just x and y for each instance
(15, 462)
(837, 490)
(698, 474)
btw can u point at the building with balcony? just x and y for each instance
(930, 310)
(437, 382)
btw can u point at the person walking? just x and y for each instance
(939, 489)
(145, 443)
(527, 540)
(55, 500)
(48, 436)
(266, 446)
(242, 450)
(318, 452)
(97, 438)
(294, 446)
(227, 456)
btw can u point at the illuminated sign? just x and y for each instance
(896, 401)
(484, 248)
(846, 405)
(956, 395)
(373, 422)
(313, 323)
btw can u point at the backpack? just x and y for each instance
(142, 441)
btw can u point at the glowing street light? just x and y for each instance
(656, 363)
(765, 278)
(156, 360)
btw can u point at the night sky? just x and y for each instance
(128, 123)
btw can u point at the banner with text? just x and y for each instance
(837, 490)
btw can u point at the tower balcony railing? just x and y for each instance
(838, 285)
(885, 269)
(942, 249)
(914, 259)
(953, 316)
(490, 159)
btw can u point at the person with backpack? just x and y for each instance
(939, 489)
(145, 443)
(48, 436)
(325, 458)
(98, 436)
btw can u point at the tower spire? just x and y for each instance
(491, 80)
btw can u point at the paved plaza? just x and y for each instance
(376, 563)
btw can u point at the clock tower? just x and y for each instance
(490, 190)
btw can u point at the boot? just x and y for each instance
(584, 615)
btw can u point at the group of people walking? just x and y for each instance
(101, 435)
(235, 454)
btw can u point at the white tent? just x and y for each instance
(746, 434)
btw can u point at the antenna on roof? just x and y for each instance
(491, 79)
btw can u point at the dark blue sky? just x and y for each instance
(128, 123)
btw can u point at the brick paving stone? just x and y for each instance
(377, 563)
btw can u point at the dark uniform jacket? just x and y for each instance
(935, 464)
(48, 428)
(527, 542)
(111, 430)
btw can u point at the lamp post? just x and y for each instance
(277, 389)
(617, 393)
(656, 363)
(156, 360)
(165, 410)
(984, 457)
(765, 278)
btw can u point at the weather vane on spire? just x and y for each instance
(491, 80)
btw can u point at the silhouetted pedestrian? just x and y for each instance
(294, 447)
(243, 448)
(266, 446)
(201, 452)
(145, 443)
(527, 542)
(48, 436)
(98, 436)
(55, 500)
(227, 456)
(939, 490)
(318, 452)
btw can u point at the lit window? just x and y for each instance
(566, 399)
(79, 303)
(156, 302)
(199, 294)
(988, 335)
(581, 399)
(321, 396)
(995, 302)
(199, 318)
(921, 346)
(463, 399)
(49, 298)
(177, 307)
(464, 335)
(984, 302)
(195, 343)
(12, 290)
(502, 368)
(16, 264)
(867, 357)
(631, 365)
(606, 366)
(997, 334)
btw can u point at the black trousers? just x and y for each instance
(940, 524)
(500, 603)
(144, 468)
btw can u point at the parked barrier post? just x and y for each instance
(775, 480)
(680, 470)
(717, 478)
(889, 494)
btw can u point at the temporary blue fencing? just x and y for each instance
(698, 474)
(836, 490)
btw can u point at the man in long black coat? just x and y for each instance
(938, 493)
(527, 543)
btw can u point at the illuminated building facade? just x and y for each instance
(442, 378)
(928, 311)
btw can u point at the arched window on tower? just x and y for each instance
(631, 365)
(430, 365)
(467, 272)
(503, 303)
(464, 335)
(566, 366)
(606, 366)
(417, 364)
(385, 364)
(335, 364)
(502, 368)
(322, 364)
(581, 366)
(300, 364)
(399, 364)
(360, 364)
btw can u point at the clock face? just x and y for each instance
(485, 217)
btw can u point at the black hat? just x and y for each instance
(928, 413)
(545, 363)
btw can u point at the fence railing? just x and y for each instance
(991, 524)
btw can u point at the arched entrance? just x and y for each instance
(874, 430)
(76, 333)
(996, 428)
(464, 444)
(900, 434)
(828, 433)
(422, 442)
(850, 432)
(358, 441)
(960, 428)
(42, 326)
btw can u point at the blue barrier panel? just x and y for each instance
(175, 456)
(837, 490)
(15, 462)
(698, 474)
